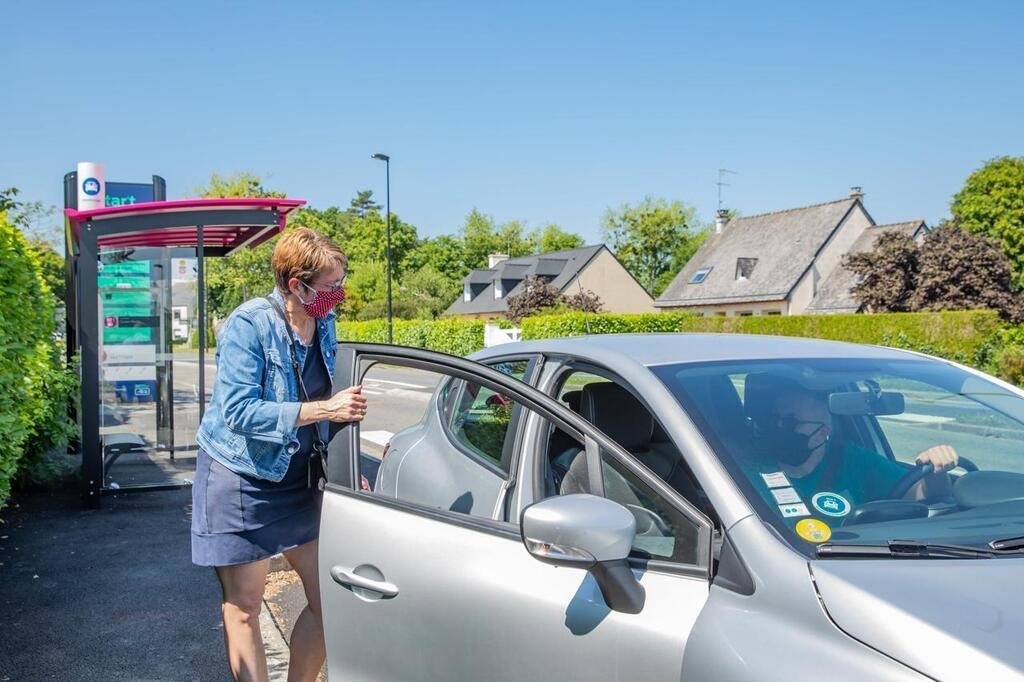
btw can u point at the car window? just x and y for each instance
(437, 440)
(478, 418)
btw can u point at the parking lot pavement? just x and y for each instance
(106, 594)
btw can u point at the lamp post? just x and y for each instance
(387, 203)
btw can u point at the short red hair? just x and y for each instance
(304, 254)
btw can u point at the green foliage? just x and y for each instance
(427, 291)
(32, 381)
(481, 236)
(242, 184)
(454, 336)
(51, 266)
(958, 335)
(553, 238)
(649, 237)
(992, 203)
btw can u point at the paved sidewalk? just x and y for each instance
(108, 594)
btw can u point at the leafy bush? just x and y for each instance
(960, 335)
(33, 384)
(454, 336)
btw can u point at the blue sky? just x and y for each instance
(541, 111)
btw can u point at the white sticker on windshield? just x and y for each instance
(798, 509)
(785, 495)
(776, 479)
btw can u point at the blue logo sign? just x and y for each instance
(831, 504)
(91, 186)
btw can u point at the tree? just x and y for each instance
(887, 275)
(585, 301)
(51, 266)
(366, 286)
(553, 238)
(243, 184)
(992, 203)
(443, 253)
(537, 293)
(363, 203)
(246, 273)
(960, 271)
(644, 237)
(951, 270)
(427, 292)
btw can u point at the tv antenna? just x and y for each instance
(722, 183)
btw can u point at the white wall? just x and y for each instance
(607, 278)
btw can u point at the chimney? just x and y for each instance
(720, 220)
(495, 258)
(857, 192)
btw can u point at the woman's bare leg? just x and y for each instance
(307, 642)
(243, 587)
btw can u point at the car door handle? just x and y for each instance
(347, 578)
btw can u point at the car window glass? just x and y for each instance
(437, 440)
(662, 532)
(479, 418)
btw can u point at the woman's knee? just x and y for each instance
(245, 605)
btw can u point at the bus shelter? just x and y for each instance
(137, 316)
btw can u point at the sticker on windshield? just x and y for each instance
(831, 504)
(813, 530)
(790, 510)
(776, 479)
(785, 495)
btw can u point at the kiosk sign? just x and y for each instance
(91, 192)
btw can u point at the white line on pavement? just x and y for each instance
(394, 383)
(376, 437)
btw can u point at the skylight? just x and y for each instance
(700, 276)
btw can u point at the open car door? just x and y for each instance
(420, 591)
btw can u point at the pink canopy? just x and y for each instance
(221, 227)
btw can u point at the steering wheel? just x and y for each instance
(919, 472)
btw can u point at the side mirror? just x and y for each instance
(588, 532)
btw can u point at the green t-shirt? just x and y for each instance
(863, 476)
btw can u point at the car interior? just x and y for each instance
(623, 418)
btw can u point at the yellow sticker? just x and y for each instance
(813, 530)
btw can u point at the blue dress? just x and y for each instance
(237, 519)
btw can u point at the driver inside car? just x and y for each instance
(812, 453)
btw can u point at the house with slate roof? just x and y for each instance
(780, 263)
(594, 268)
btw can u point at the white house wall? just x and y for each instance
(607, 278)
(829, 258)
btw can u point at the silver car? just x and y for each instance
(681, 507)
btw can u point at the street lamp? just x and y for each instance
(387, 203)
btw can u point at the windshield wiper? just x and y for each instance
(1007, 544)
(906, 549)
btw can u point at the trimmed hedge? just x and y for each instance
(965, 336)
(451, 335)
(34, 386)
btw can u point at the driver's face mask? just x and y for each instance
(791, 439)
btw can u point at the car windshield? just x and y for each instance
(826, 449)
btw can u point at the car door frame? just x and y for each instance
(344, 446)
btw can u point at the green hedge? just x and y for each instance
(965, 336)
(451, 335)
(34, 385)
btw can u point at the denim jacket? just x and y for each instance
(249, 425)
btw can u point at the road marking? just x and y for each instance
(420, 396)
(370, 391)
(376, 437)
(394, 383)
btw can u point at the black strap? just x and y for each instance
(319, 443)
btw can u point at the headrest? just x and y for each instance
(572, 399)
(621, 416)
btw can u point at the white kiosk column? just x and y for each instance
(92, 186)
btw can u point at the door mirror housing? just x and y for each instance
(588, 532)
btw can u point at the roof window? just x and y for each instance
(700, 275)
(745, 267)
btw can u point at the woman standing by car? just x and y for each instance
(262, 445)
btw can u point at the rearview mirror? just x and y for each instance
(858, 403)
(589, 532)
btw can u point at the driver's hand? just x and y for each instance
(941, 457)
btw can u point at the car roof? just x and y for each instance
(659, 349)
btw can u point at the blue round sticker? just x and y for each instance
(91, 186)
(831, 504)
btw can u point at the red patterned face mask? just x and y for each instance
(323, 301)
